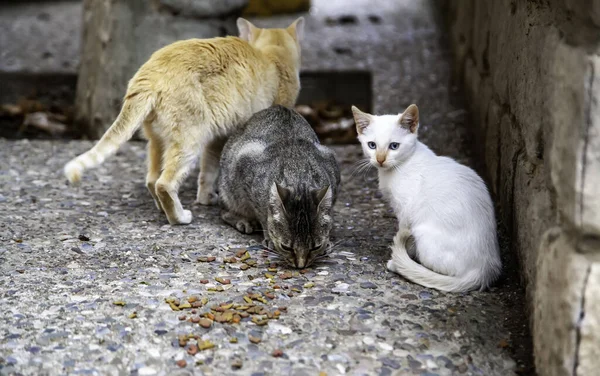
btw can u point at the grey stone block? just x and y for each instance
(40, 37)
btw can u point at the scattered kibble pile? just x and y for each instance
(255, 307)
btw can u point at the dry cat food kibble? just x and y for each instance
(252, 309)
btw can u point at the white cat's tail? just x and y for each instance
(135, 110)
(402, 264)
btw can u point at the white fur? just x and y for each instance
(250, 149)
(444, 205)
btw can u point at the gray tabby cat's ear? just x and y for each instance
(278, 196)
(362, 119)
(284, 193)
(245, 28)
(324, 197)
(296, 29)
(409, 119)
(280, 192)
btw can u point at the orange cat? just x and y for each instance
(189, 96)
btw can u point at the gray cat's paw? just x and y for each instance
(267, 243)
(244, 227)
(212, 198)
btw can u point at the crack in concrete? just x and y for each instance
(586, 136)
(580, 320)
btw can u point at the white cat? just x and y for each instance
(443, 205)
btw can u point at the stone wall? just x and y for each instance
(531, 70)
(119, 36)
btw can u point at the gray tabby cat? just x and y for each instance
(275, 175)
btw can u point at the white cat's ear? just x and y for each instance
(409, 119)
(362, 119)
(245, 28)
(324, 197)
(296, 29)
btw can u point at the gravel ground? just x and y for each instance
(94, 281)
(85, 274)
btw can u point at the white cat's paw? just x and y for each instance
(391, 267)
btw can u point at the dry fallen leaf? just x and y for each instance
(44, 122)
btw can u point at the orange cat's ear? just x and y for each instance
(296, 29)
(362, 119)
(409, 119)
(246, 29)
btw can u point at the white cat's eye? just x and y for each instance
(371, 145)
(316, 248)
(286, 248)
(394, 145)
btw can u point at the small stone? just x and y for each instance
(342, 287)
(182, 317)
(409, 296)
(204, 281)
(277, 353)
(368, 285)
(415, 364)
(368, 341)
(147, 371)
(463, 368)
(390, 363)
(425, 295)
(182, 363)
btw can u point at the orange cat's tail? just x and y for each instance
(135, 110)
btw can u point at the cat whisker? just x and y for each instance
(362, 166)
